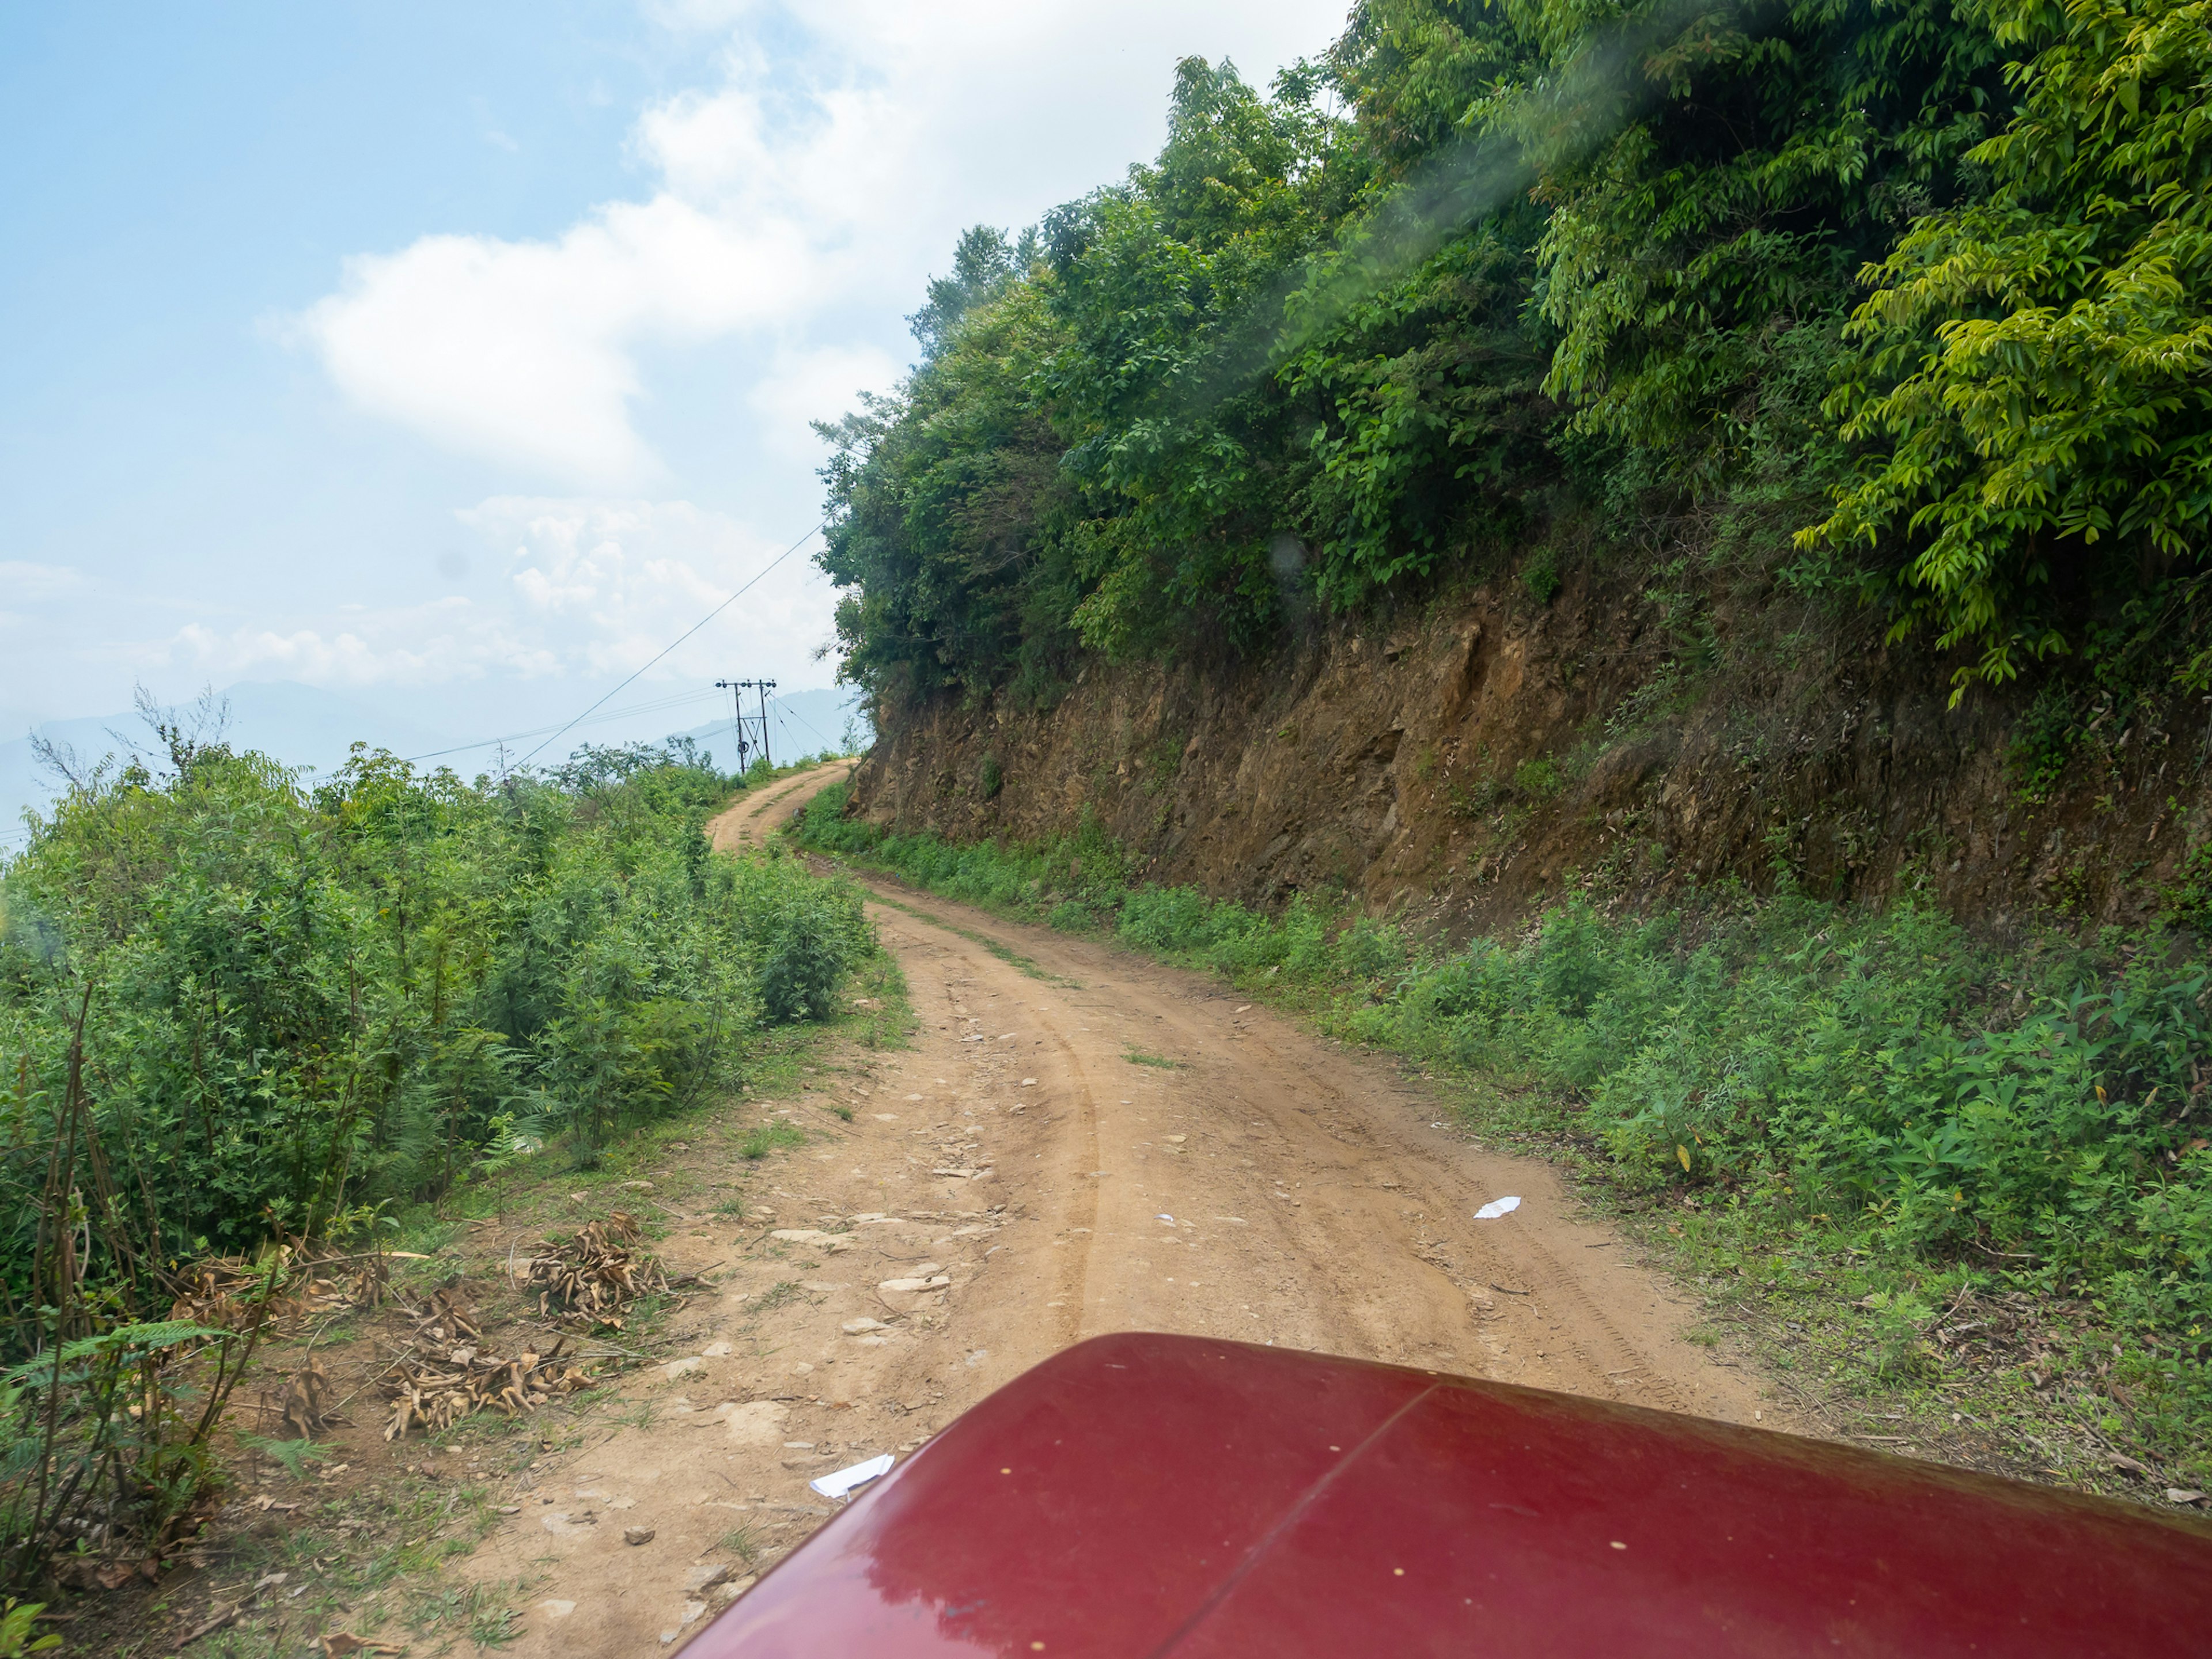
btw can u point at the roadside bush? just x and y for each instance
(235, 1015)
(799, 976)
(294, 1004)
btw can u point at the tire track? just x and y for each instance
(1356, 1211)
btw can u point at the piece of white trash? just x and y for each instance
(1496, 1208)
(843, 1481)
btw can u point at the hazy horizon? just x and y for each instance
(308, 727)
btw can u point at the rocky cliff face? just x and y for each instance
(1465, 763)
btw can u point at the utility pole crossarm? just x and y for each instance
(737, 689)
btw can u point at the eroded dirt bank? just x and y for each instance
(1078, 1142)
(1460, 762)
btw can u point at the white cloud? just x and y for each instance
(592, 589)
(801, 386)
(821, 178)
(617, 580)
(23, 580)
(401, 646)
(524, 350)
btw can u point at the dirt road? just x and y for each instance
(1078, 1142)
(751, 822)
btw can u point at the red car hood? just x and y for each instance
(1154, 1495)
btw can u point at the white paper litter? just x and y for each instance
(1496, 1208)
(843, 1481)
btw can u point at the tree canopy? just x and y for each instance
(1926, 278)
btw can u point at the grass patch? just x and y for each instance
(1138, 1057)
(767, 1138)
(777, 1295)
(1975, 1183)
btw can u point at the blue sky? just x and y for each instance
(458, 358)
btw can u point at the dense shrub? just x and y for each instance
(297, 1004)
(811, 950)
(234, 1014)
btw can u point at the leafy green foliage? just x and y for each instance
(813, 950)
(294, 1455)
(18, 1630)
(299, 1004)
(2037, 366)
(770, 1137)
(1084, 457)
(230, 1009)
(1765, 155)
(1556, 263)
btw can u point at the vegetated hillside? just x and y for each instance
(1626, 485)
(1700, 439)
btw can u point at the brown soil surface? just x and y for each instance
(1465, 763)
(751, 821)
(1044, 1183)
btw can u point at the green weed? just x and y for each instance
(777, 1295)
(18, 1629)
(293, 1455)
(767, 1138)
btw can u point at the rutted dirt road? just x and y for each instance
(749, 822)
(1078, 1142)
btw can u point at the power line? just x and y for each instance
(680, 638)
(783, 708)
(15, 834)
(657, 704)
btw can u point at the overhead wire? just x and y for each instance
(680, 639)
(674, 701)
(783, 710)
(8, 836)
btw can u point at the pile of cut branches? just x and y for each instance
(308, 1280)
(592, 1280)
(456, 1375)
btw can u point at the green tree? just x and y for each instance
(2035, 369)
